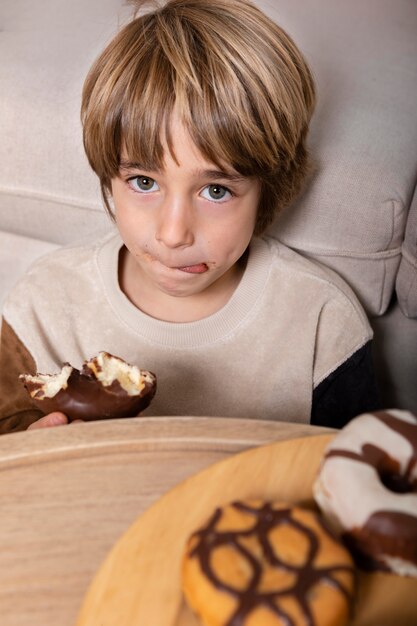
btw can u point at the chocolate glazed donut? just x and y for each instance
(106, 387)
(378, 452)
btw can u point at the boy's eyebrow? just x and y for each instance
(209, 173)
(220, 174)
(131, 165)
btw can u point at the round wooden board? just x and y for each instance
(140, 583)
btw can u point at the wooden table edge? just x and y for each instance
(143, 434)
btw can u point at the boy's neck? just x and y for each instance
(174, 309)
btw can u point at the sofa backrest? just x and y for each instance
(354, 212)
(47, 190)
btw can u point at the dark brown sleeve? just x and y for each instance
(16, 410)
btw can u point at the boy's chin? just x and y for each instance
(176, 290)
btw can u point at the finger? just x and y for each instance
(52, 419)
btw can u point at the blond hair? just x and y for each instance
(242, 87)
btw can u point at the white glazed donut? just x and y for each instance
(367, 489)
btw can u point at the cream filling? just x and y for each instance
(108, 368)
(48, 385)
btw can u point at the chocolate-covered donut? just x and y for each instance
(260, 563)
(367, 488)
(106, 387)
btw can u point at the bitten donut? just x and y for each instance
(259, 563)
(367, 489)
(106, 387)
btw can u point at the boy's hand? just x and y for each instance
(47, 421)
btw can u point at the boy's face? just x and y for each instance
(185, 228)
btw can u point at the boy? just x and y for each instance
(195, 120)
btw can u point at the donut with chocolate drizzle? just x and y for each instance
(367, 488)
(281, 566)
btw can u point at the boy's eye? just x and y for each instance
(216, 193)
(143, 184)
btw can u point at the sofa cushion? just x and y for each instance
(47, 189)
(50, 218)
(353, 213)
(407, 274)
(395, 358)
(16, 254)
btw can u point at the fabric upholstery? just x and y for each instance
(47, 189)
(364, 133)
(407, 273)
(395, 357)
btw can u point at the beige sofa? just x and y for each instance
(357, 214)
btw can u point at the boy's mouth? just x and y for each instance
(200, 268)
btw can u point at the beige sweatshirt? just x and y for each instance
(289, 324)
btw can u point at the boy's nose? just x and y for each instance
(175, 227)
